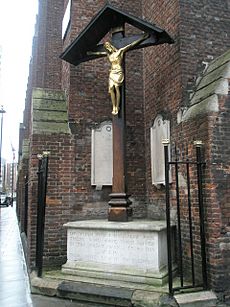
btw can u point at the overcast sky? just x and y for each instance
(17, 21)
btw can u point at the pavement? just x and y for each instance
(14, 281)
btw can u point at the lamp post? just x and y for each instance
(12, 188)
(2, 111)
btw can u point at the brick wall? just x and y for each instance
(49, 44)
(162, 86)
(219, 213)
(50, 133)
(213, 130)
(58, 201)
(200, 31)
(204, 35)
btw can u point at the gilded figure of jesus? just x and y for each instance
(116, 74)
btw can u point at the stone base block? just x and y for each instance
(131, 251)
(116, 273)
(197, 299)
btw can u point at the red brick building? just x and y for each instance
(64, 103)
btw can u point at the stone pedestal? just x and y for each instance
(132, 251)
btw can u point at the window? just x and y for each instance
(160, 130)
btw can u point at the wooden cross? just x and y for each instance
(119, 203)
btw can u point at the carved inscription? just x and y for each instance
(114, 247)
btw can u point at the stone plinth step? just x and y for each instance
(101, 295)
(197, 299)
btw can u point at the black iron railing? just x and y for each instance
(25, 225)
(188, 223)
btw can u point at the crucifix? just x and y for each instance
(116, 58)
(86, 47)
(115, 51)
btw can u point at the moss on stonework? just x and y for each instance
(41, 115)
(49, 104)
(49, 113)
(200, 109)
(215, 75)
(46, 94)
(218, 87)
(224, 58)
(214, 82)
(25, 149)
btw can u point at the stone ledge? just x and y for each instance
(116, 273)
(202, 108)
(59, 275)
(152, 299)
(197, 299)
(43, 286)
(137, 225)
(50, 94)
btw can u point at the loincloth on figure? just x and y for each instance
(116, 78)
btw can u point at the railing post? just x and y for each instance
(25, 225)
(38, 263)
(190, 220)
(167, 196)
(42, 186)
(200, 164)
(179, 221)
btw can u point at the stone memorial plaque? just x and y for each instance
(159, 132)
(102, 155)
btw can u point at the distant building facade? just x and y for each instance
(9, 177)
(65, 105)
